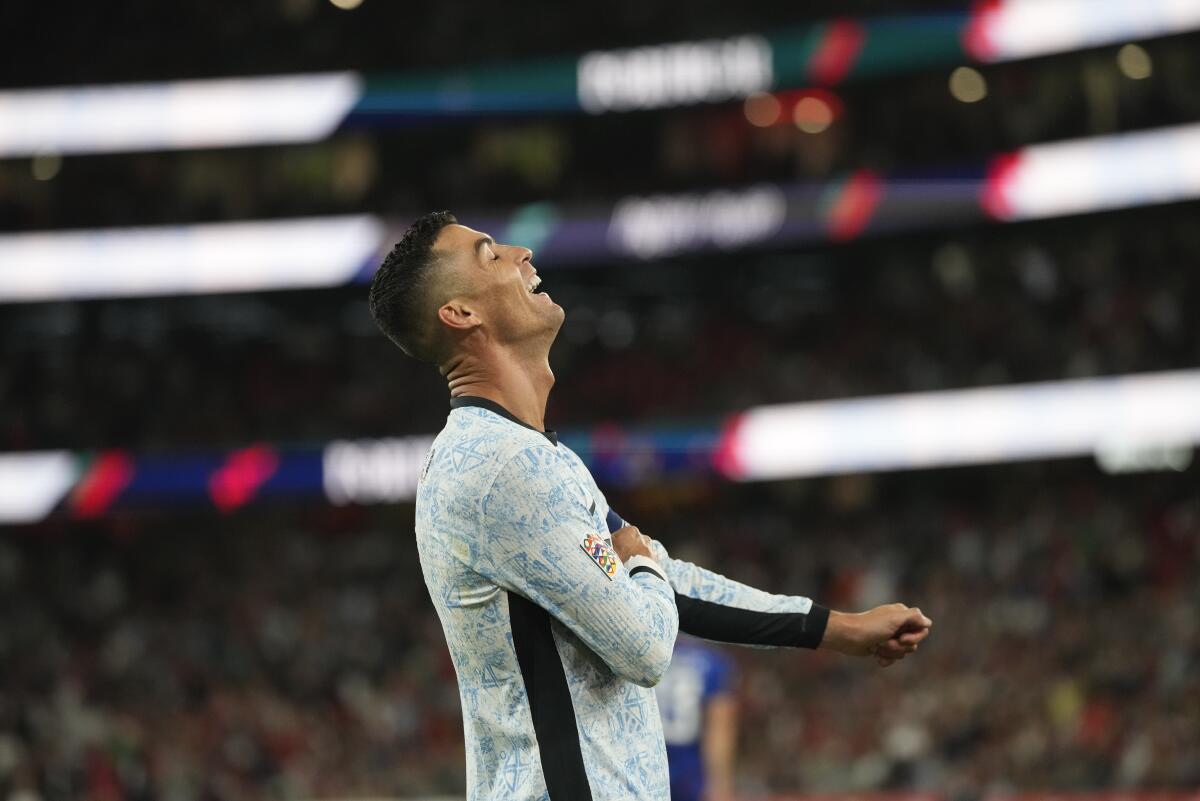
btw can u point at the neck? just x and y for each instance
(519, 383)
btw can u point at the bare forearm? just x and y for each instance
(888, 632)
(842, 632)
(720, 746)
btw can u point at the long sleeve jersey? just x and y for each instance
(555, 642)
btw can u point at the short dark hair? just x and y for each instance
(399, 296)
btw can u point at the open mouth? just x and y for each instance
(534, 285)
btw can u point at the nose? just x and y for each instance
(525, 254)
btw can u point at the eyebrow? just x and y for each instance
(484, 240)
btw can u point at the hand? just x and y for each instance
(629, 541)
(888, 633)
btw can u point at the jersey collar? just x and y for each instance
(495, 408)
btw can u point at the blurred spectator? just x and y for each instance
(698, 704)
(292, 652)
(295, 654)
(903, 123)
(687, 339)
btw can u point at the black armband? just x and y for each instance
(719, 623)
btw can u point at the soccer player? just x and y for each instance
(557, 632)
(699, 715)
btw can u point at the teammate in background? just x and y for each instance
(556, 630)
(700, 718)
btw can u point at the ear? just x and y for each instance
(456, 315)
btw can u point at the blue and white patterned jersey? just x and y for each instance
(555, 641)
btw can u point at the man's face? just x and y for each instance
(497, 282)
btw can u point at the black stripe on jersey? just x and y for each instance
(720, 623)
(549, 701)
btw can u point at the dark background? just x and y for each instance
(289, 650)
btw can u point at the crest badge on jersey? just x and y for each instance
(602, 554)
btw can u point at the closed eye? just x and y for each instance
(486, 242)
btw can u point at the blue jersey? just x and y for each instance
(556, 642)
(697, 674)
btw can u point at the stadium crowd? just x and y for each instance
(906, 124)
(690, 339)
(294, 654)
(188, 41)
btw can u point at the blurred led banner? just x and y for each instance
(33, 486)
(1075, 177)
(373, 471)
(1089, 175)
(306, 108)
(1129, 423)
(176, 116)
(674, 75)
(187, 259)
(1046, 795)
(1013, 29)
(939, 429)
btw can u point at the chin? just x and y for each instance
(553, 323)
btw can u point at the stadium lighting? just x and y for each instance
(1015, 29)
(812, 115)
(306, 108)
(1073, 177)
(175, 116)
(968, 85)
(187, 259)
(962, 427)
(46, 166)
(32, 484)
(1087, 175)
(1134, 62)
(1128, 423)
(762, 109)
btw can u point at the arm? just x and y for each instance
(537, 546)
(717, 608)
(720, 609)
(720, 746)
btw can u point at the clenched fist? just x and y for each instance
(888, 633)
(629, 541)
